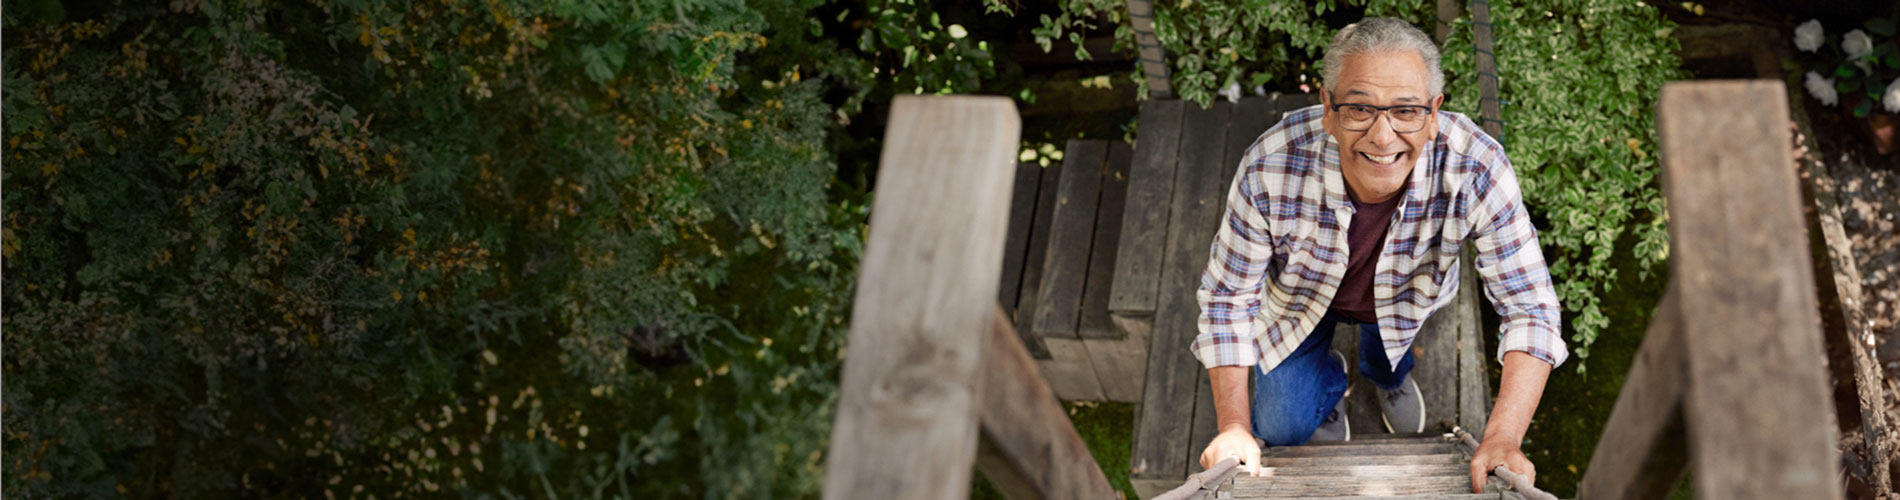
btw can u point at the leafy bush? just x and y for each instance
(1579, 79)
(568, 249)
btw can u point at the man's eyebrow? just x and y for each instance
(1362, 93)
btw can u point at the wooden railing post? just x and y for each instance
(934, 366)
(1756, 407)
(908, 405)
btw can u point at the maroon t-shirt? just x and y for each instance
(1365, 238)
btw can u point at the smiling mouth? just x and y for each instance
(1384, 160)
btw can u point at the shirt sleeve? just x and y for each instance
(1229, 294)
(1511, 264)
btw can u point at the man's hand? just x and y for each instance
(1493, 453)
(1237, 442)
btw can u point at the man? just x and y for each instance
(1353, 212)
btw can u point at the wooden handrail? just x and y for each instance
(1733, 358)
(934, 368)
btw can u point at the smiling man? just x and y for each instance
(1353, 212)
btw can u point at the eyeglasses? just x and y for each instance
(1404, 118)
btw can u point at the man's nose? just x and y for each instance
(1381, 132)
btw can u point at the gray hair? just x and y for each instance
(1381, 34)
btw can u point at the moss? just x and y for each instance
(1575, 406)
(1108, 429)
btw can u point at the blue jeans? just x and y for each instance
(1293, 399)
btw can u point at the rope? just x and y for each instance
(1513, 481)
(1205, 481)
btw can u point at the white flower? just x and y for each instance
(1808, 36)
(1231, 92)
(957, 31)
(1822, 88)
(1892, 99)
(1856, 44)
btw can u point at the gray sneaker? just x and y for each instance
(1404, 408)
(1335, 427)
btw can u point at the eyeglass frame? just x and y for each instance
(1380, 111)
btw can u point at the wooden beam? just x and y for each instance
(1842, 298)
(1746, 291)
(1022, 211)
(1029, 449)
(1144, 235)
(1165, 423)
(1447, 12)
(1490, 110)
(1642, 452)
(1474, 386)
(1154, 59)
(1065, 266)
(907, 409)
(1030, 300)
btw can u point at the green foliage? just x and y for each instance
(1579, 78)
(564, 249)
(1214, 43)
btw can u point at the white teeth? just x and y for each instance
(1383, 160)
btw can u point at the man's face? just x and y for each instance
(1378, 158)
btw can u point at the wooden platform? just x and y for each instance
(1158, 266)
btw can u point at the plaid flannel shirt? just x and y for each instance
(1281, 248)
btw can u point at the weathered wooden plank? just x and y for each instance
(1022, 212)
(1029, 449)
(1065, 266)
(1843, 305)
(1163, 434)
(1120, 357)
(1095, 322)
(927, 282)
(1300, 486)
(1033, 262)
(1145, 218)
(1448, 11)
(1746, 291)
(1409, 437)
(1415, 470)
(1442, 458)
(1363, 450)
(1252, 116)
(1206, 423)
(1069, 370)
(1490, 109)
(1154, 59)
(1642, 451)
(1435, 363)
(1474, 386)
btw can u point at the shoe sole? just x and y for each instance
(1421, 409)
(1345, 420)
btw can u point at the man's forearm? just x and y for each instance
(1518, 394)
(1231, 405)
